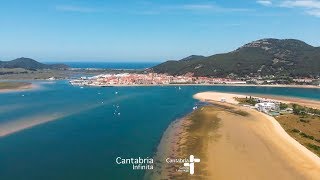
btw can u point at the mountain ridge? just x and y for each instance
(269, 56)
(28, 63)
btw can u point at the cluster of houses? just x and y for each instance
(272, 80)
(270, 107)
(127, 79)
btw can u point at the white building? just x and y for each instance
(266, 106)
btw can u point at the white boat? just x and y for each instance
(76, 82)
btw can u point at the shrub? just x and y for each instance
(295, 130)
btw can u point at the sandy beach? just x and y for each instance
(19, 88)
(256, 147)
(241, 144)
(229, 97)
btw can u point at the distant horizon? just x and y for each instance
(94, 60)
(148, 30)
(87, 61)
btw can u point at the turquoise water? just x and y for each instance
(88, 134)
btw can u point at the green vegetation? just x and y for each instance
(283, 106)
(315, 147)
(282, 59)
(306, 136)
(295, 130)
(246, 100)
(27, 63)
(20, 73)
(303, 128)
(302, 110)
(304, 121)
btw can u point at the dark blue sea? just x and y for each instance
(112, 65)
(87, 133)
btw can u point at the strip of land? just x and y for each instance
(229, 97)
(233, 142)
(15, 86)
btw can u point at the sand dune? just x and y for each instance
(256, 147)
(217, 96)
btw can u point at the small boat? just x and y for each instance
(179, 88)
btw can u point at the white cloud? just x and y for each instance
(314, 12)
(301, 4)
(310, 7)
(154, 9)
(197, 7)
(265, 2)
(209, 7)
(79, 9)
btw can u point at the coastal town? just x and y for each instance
(133, 79)
(138, 79)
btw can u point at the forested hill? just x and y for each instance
(27, 63)
(263, 57)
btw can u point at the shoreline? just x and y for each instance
(260, 137)
(234, 85)
(274, 124)
(229, 98)
(164, 149)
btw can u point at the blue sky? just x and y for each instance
(145, 30)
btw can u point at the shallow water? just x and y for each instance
(88, 134)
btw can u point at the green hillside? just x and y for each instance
(263, 57)
(27, 63)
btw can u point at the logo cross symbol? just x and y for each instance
(191, 163)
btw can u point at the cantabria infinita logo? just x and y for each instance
(191, 162)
